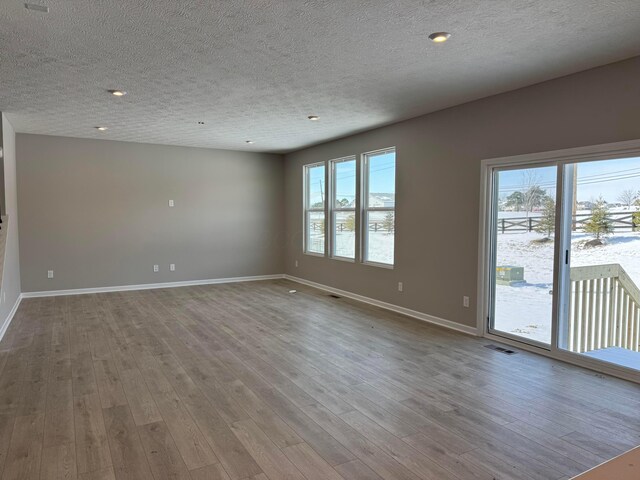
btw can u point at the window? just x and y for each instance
(379, 174)
(343, 208)
(358, 201)
(314, 209)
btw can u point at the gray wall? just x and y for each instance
(96, 212)
(10, 290)
(438, 181)
(3, 207)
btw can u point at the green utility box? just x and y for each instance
(509, 275)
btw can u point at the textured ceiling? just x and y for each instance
(255, 69)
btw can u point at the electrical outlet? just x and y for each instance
(172, 267)
(400, 286)
(50, 274)
(296, 263)
(156, 268)
(465, 302)
(171, 203)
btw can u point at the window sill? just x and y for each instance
(379, 265)
(312, 254)
(344, 259)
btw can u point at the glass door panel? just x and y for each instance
(602, 316)
(523, 225)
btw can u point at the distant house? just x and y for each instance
(382, 200)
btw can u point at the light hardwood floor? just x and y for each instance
(248, 381)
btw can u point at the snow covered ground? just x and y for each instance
(526, 309)
(381, 245)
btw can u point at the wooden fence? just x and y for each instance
(604, 309)
(343, 227)
(619, 221)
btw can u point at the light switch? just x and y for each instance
(171, 204)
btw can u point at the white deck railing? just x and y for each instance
(604, 309)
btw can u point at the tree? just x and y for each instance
(534, 197)
(547, 222)
(599, 224)
(389, 222)
(515, 201)
(532, 192)
(350, 223)
(636, 215)
(628, 196)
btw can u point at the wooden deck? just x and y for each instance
(617, 356)
(248, 381)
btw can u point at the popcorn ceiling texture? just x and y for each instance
(256, 69)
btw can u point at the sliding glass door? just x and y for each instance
(523, 225)
(563, 257)
(602, 244)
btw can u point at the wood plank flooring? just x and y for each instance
(247, 381)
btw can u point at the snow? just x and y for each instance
(526, 309)
(381, 245)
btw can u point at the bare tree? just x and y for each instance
(627, 197)
(533, 193)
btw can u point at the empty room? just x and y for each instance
(320, 240)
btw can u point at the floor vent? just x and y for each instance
(334, 296)
(506, 351)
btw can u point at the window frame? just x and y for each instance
(307, 209)
(333, 209)
(365, 209)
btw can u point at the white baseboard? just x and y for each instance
(389, 306)
(7, 322)
(150, 286)
(371, 301)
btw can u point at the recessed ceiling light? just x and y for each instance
(250, 142)
(37, 8)
(439, 37)
(102, 129)
(117, 93)
(313, 118)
